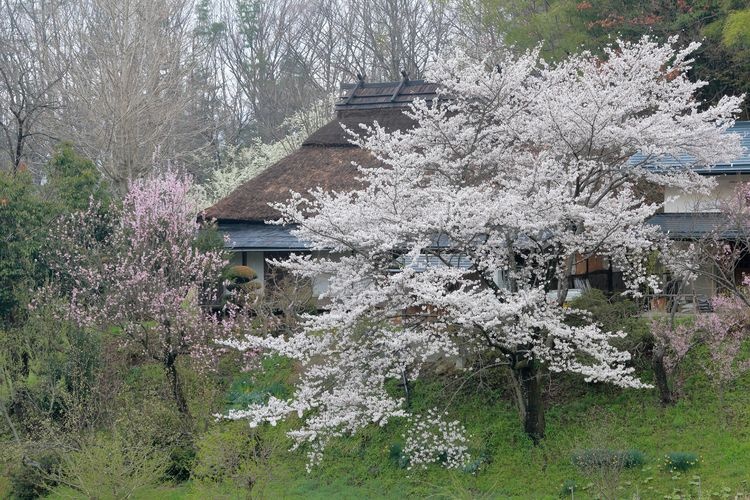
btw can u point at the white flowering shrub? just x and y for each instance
(243, 163)
(430, 438)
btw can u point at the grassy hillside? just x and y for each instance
(580, 418)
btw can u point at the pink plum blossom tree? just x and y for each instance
(520, 169)
(138, 269)
(724, 332)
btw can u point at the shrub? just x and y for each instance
(240, 274)
(235, 453)
(568, 488)
(31, 478)
(616, 314)
(604, 458)
(680, 461)
(397, 457)
(243, 392)
(110, 466)
(181, 460)
(604, 467)
(610, 312)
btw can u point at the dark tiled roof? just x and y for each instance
(739, 165)
(260, 236)
(689, 226)
(363, 95)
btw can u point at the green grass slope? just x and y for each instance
(580, 417)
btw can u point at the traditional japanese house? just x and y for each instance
(325, 160)
(690, 217)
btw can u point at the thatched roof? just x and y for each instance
(325, 158)
(305, 169)
(334, 133)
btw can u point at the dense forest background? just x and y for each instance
(196, 81)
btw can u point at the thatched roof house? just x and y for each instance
(324, 160)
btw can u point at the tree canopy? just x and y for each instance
(565, 26)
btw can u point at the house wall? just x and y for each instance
(678, 202)
(320, 282)
(703, 284)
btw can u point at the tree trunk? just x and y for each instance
(527, 381)
(176, 384)
(660, 376)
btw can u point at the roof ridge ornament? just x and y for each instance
(404, 80)
(360, 83)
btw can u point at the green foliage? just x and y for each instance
(242, 392)
(680, 461)
(397, 457)
(568, 489)
(617, 314)
(26, 214)
(363, 465)
(209, 238)
(181, 459)
(736, 32)
(271, 379)
(249, 12)
(206, 28)
(53, 369)
(610, 313)
(73, 180)
(234, 453)
(23, 219)
(33, 475)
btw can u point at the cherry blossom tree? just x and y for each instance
(520, 169)
(139, 269)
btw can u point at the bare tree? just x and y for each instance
(129, 86)
(398, 35)
(257, 50)
(32, 67)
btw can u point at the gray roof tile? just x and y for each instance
(262, 237)
(740, 164)
(689, 226)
